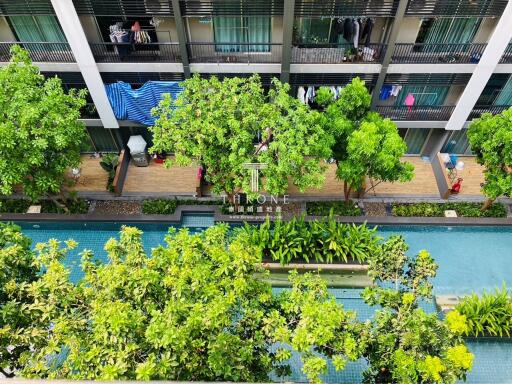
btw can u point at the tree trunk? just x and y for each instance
(59, 204)
(487, 205)
(346, 191)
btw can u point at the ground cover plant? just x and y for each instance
(489, 314)
(72, 206)
(340, 208)
(437, 209)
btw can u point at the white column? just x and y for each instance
(497, 44)
(77, 40)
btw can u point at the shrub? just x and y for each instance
(489, 314)
(323, 208)
(319, 241)
(74, 206)
(437, 210)
(159, 206)
(14, 206)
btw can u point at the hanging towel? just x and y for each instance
(395, 90)
(409, 101)
(385, 92)
(301, 94)
(136, 104)
(356, 33)
(348, 29)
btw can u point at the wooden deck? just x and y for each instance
(473, 175)
(92, 177)
(423, 183)
(157, 179)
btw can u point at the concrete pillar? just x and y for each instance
(182, 37)
(288, 20)
(397, 21)
(484, 69)
(77, 40)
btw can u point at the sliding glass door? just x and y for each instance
(37, 28)
(241, 34)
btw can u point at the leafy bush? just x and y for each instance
(437, 210)
(14, 206)
(109, 164)
(319, 241)
(489, 314)
(323, 208)
(159, 206)
(74, 206)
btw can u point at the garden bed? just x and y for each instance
(463, 209)
(338, 208)
(74, 206)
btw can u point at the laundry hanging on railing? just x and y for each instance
(307, 94)
(136, 104)
(388, 90)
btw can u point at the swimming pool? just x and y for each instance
(469, 258)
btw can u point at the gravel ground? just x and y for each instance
(112, 207)
(375, 209)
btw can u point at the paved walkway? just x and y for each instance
(158, 180)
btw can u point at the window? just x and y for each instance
(424, 95)
(37, 28)
(241, 34)
(457, 143)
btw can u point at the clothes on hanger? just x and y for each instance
(301, 95)
(395, 90)
(385, 92)
(348, 29)
(338, 25)
(409, 101)
(310, 95)
(356, 33)
(367, 32)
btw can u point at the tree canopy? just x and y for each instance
(366, 145)
(39, 127)
(490, 138)
(200, 308)
(214, 123)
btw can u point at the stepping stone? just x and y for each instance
(34, 209)
(450, 213)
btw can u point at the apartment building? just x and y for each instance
(432, 65)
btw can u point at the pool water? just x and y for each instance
(470, 259)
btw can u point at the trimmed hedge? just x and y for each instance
(437, 210)
(339, 208)
(168, 206)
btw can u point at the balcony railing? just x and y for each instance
(494, 109)
(427, 113)
(507, 55)
(89, 112)
(234, 53)
(337, 54)
(438, 53)
(44, 52)
(136, 53)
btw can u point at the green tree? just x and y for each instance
(39, 127)
(491, 141)
(403, 343)
(214, 123)
(17, 268)
(194, 310)
(366, 145)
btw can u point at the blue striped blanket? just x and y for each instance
(136, 104)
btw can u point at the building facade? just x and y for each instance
(431, 65)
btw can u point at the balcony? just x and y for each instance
(136, 53)
(337, 54)
(507, 55)
(494, 109)
(437, 53)
(41, 52)
(249, 53)
(424, 113)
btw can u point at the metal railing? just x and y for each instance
(438, 53)
(337, 53)
(40, 51)
(427, 113)
(494, 109)
(234, 52)
(136, 53)
(507, 55)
